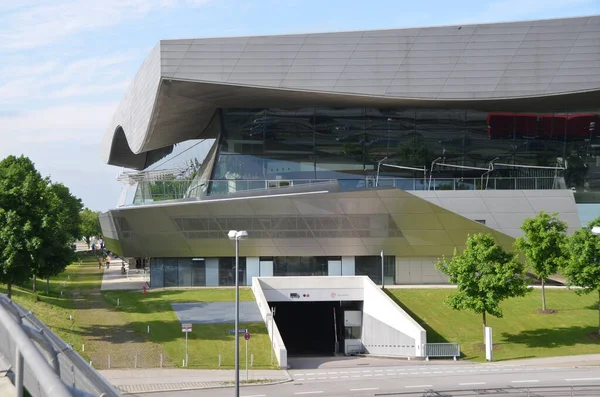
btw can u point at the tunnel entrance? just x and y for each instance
(312, 328)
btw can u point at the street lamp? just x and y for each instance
(596, 230)
(379, 166)
(237, 236)
(382, 274)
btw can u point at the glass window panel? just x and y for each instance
(171, 276)
(198, 273)
(157, 273)
(185, 273)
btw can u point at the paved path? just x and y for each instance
(113, 279)
(371, 374)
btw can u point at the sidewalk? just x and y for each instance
(151, 380)
(584, 360)
(113, 279)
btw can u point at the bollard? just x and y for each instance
(135, 361)
(148, 329)
(109, 361)
(70, 317)
(118, 301)
(90, 363)
(161, 360)
(61, 293)
(219, 360)
(83, 347)
(183, 362)
(252, 360)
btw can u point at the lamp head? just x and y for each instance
(242, 235)
(232, 234)
(596, 230)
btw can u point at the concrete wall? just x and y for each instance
(276, 340)
(313, 288)
(387, 329)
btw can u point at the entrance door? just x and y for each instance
(334, 268)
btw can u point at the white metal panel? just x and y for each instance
(266, 268)
(348, 268)
(334, 268)
(252, 269)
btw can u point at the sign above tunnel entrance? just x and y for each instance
(313, 295)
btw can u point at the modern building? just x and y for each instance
(340, 151)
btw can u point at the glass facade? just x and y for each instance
(196, 272)
(294, 146)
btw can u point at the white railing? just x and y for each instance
(441, 350)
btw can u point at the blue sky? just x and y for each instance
(65, 64)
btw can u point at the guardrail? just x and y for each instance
(441, 350)
(177, 189)
(531, 391)
(42, 362)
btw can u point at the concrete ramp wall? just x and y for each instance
(276, 340)
(387, 328)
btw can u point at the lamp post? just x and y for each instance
(382, 274)
(237, 236)
(378, 167)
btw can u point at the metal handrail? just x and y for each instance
(26, 351)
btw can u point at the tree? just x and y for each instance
(485, 275)
(543, 244)
(583, 263)
(90, 225)
(22, 188)
(61, 228)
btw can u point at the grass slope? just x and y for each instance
(521, 333)
(206, 341)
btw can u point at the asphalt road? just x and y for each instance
(373, 381)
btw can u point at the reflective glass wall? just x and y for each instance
(314, 144)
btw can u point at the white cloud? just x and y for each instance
(45, 22)
(65, 123)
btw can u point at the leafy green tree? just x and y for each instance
(583, 265)
(90, 225)
(543, 244)
(61, 228)
(485, 275)
(22, 188)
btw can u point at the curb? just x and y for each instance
(223, 385)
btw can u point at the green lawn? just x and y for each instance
(521, 333)
(53, 308)
(205, 342)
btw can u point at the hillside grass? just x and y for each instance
(523, 332)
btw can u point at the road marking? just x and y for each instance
(367, 375)
(379, 374)
(343, 372)
(312, 373)
(524, 381)
(311, 378)
(344, 376)
(426, 372)
(299, 374)
(418, 386)
(389, 370)
(367, 371)
(580, 379)
(333, 377)
(356, 376)
(299, 379)
(331, 373)
(471, 383)
(378, 370)
(437, 372)
(354, 372)
(256, 395)
(310, 392)
(365, 389)
(322, 377)
(402, 373)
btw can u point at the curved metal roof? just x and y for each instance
(546, 65)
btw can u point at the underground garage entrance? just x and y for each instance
(316, 328)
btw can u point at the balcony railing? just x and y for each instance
(152, 191)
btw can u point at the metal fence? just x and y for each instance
(441, 350)
(536, 391)
(41, 361)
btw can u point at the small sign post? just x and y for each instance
(247, 337)
(186, 328)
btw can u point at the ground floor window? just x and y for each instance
(199, 272)
(371, 266)
(300, 266)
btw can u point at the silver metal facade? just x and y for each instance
(180, 85)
